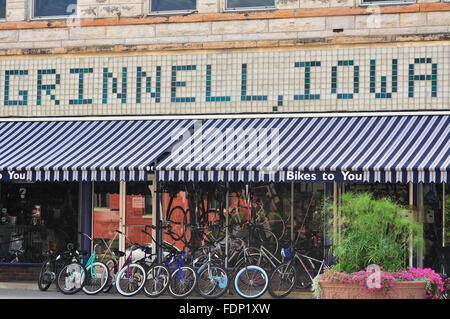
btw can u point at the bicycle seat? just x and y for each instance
(119, 253)
(169, 248)
(443, 276)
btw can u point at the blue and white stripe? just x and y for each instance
(385, 148)
(87, 150)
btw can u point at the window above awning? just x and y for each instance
(350, 149)
(85, 150)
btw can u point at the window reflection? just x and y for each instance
(49, 8)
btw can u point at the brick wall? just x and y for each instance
(324, 25)
(19, 273)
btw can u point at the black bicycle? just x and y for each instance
(54, 263)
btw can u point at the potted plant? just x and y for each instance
(372, 247)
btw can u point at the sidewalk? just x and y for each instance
(32, 287)
(25, 285)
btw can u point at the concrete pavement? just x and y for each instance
(30, 290)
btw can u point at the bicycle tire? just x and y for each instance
(96, 283)
(157, 281)
(71, 278)
(174, 216)
(184, 286)
(111, 264)
(263, 237)
(138, 283)
(45, 276)
(212, 282)
(282, 280)
(251, 277)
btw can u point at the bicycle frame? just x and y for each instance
(263, 252)
(91, 258)
(311, 260)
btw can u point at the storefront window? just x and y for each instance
(309, 219)
(397, 192)
(106, 217)
(36, 217)
(139, 211)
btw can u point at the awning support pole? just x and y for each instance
(292, 212)
(443, 214)
(122, 217)
(411, 204)
(226, 223)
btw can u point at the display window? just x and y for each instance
(106, 218)
(36, 217)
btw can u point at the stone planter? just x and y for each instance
(401, 290)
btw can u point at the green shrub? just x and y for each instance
(374, 231)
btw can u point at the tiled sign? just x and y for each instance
(353, 79)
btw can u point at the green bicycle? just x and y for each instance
(91, 277)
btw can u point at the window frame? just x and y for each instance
(259, 8)
(169, 12)
(364, 3)
(59, 17)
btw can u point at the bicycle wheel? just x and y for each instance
(157, 281)
(182, 282)
(176, 215)
(71, 278)
(130, 280)
(251, 282)
(263, 237)
(46, 276)
(111, 264)
(212, 282)
(97, 275)
(282, 280)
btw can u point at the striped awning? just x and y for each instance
(346, 149)
(85, 150)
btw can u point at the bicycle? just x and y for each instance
(285, 277)
(251, 281)
(131, 277)
(183, 279)
(112, 263)
(158, 274)
(55, 262)
(97, 273)
(175, 214)
(198, 217)
(212, 280)
(71, 278)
